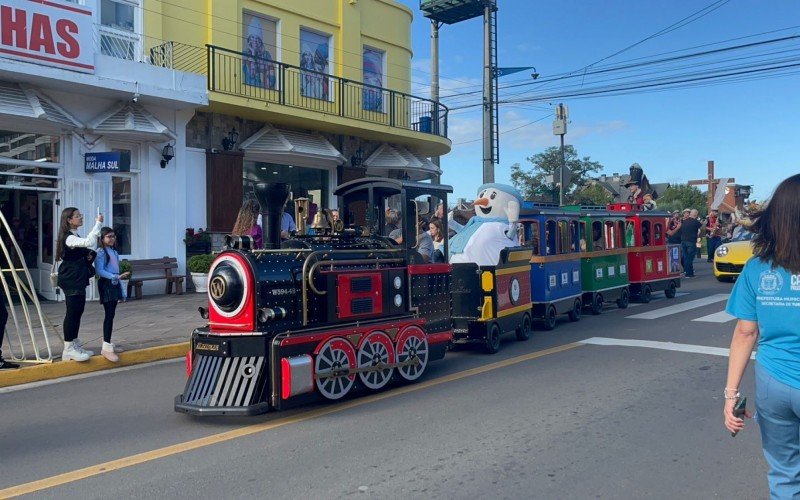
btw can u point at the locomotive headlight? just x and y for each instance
(398, 300)
(398, 282)
(226, 287)
(722, 251)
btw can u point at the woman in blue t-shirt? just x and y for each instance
(766, 300)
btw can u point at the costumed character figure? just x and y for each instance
(634, 185)
(493, 228)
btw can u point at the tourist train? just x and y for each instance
(341, 309)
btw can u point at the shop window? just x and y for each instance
(550, 237)
(259, 48)
(373, 61)
(314, 180)
(122, 213)
(119, 33)
(315, 49)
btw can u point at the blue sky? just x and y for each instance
(748, 128)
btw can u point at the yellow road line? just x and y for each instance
(121, 463)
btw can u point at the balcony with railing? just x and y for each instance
(232, 73)
(130, 46)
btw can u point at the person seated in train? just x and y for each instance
(424, 245)
(598, 241)
(392, 221)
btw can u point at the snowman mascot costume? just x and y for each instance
(493, 228)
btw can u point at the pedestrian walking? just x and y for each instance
(74, 272)
(4, 365)
(106, 265)
(764, 299)
(247, 223)
(690, 230)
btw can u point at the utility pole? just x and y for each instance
(435, 87)
(560, 128)
(490, 126)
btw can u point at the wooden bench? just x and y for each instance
(155, 269)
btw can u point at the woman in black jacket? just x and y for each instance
(73, 276)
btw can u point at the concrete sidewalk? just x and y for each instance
(153, 328)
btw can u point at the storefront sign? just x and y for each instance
(115, 161)
(49, 32)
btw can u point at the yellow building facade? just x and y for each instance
(309, 92)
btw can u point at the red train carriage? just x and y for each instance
(653, 265)
(342, 310)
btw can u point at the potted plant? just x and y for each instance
(198, 266)
(125, 267)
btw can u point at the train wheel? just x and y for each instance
(334, 360)
(671, 290)
(597, 304)
(624, 299)
(412, 345)
(493, 339)
(646, 294)
(550, 317)
(376, 349)
(575, 313)
(524, 330)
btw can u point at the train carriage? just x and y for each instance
(653, 265)
(553, 235)
(320, 316)
(604, 262)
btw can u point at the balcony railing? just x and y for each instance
(130, 46)
(230, 72)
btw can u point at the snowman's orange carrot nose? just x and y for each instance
(482, 202)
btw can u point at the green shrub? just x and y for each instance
(200, 263)
(125, 267)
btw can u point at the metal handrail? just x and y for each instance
(234, 73)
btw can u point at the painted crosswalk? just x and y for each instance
(667, 346)
(719, 317)
(686, 306)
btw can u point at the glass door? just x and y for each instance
(47, 244)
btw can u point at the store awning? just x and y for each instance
(29, 108)
(130, 120)
(272, 145)
(400, 163)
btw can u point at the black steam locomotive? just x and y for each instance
(320, 315)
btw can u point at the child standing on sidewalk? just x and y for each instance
(108, 284)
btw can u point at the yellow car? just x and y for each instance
(729, 258)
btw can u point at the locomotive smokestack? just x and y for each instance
(272, 198)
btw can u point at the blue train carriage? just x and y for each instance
(604, 257)
(553, 236)
(653, 265)
(489, 301)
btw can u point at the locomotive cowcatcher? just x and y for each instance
(320, 315)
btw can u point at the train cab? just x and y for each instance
(603, 254)
(653, 265)
(553, 236)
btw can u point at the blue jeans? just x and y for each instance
(778, 417)
(712, 244)
(689, 251)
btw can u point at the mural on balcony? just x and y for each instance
(314, 49)
(258, 44)
(372, 61)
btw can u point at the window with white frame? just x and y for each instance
(119, 28)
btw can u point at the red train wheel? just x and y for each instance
(376, 348)
(412, 344)
(334, 360)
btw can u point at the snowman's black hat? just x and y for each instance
(636, 175)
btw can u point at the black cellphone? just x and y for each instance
(738, 411)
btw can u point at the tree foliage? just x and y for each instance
(680, 196)
(533, 183)
(593, 195)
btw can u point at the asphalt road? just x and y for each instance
(585, 421)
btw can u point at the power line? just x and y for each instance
(509, 130)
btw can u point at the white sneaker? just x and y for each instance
(81, 349)
(71, 352)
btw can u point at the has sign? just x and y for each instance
(115, 161)
(49, 32)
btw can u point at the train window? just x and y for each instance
(625, 234)
(574, 232)
(658, 234)
(582, 245)
(610, 232)
(646, 233)
(564, 237)
(550, 241)
(529, 237)
(598, 239)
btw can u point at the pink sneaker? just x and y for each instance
(108, 352)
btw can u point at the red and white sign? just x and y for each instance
(49, 32)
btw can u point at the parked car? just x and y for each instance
(730, 257)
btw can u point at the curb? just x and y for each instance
(59, 369)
